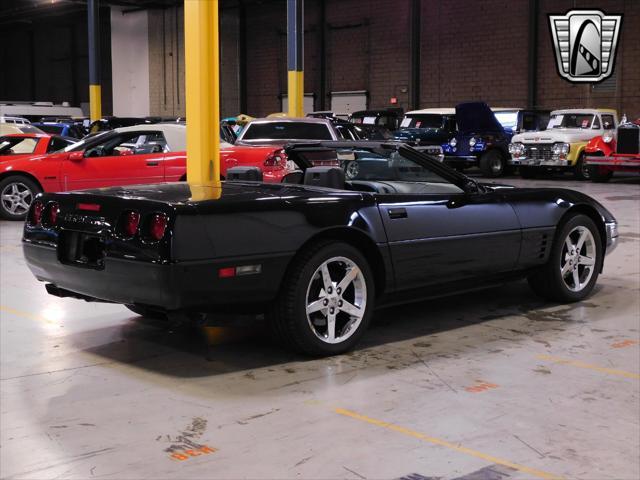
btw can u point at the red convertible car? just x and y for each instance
(125, 156)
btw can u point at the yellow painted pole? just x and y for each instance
(296, 93)
(95, 102)
(295, 57)
(95, 90)
(202, 95)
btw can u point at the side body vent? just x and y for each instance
(536, 246)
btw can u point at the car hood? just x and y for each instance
(476, 117)
(10, 161)
(565, 135)
(12, 158)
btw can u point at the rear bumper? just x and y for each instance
(193, 285)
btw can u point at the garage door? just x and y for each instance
(309, 103)
(348, 102)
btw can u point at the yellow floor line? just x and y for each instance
(27, 315)
(443, 443)
(577, 363)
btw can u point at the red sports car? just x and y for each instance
(124, 156)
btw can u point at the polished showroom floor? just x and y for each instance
(496, 384)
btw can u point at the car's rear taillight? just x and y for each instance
(157, 226)
(276, 159)
(36, 213)
(52, 215)
(129, 223)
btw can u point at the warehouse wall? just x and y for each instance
(366, 48)
(481, 53)
(478, 53)
(166, 62)
(130, 63)
(46, 59)
(622, 91)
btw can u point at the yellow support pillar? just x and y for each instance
(295, 57)
(95, 90)
(202, 94)
(95, 102)
(296, 94)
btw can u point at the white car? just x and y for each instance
(561, 145)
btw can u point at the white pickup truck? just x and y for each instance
(561, 145)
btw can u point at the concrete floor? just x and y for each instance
(492, 385)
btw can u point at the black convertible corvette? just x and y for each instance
(318, 252)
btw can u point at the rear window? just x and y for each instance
(286, 131)
(55, 129)
(17, 145)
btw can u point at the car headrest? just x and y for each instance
(293, 177)
(329, 177)
(251, 174)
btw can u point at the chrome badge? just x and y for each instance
(585, 43)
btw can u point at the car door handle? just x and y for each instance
(153, 163)
(395, 213)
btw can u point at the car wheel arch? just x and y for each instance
(357, 239)
(590, 212)
(19, 173)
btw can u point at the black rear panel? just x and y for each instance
(88, 229)
(82, 249)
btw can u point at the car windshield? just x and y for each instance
(571, 120)
(507, 119)
(381, 170)
(17, 145)
(89, 140)
(423, 121)
(286, 131)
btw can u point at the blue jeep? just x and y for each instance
(484, 135)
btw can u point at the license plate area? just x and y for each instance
(81, 249)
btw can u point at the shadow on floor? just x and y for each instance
(187, 353)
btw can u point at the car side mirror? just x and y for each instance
(76, 156)
(472, 187)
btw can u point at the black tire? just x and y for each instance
(528, 172)
(598, 175)
(147, 312)
(493, 163)
(548, 281)
(581, 171)
(17, 183)
(289, 320)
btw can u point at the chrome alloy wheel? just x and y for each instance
(16, 198)
(336, 300)
(578, 258)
